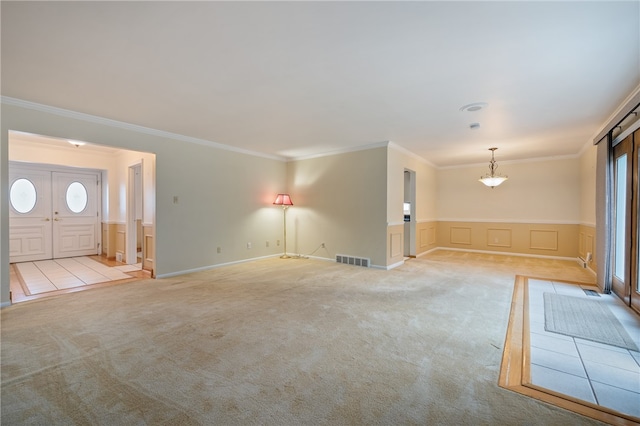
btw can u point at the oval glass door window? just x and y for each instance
(76, 197)
(23, 195)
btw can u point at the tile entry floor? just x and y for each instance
(51, 275)
(605, 375)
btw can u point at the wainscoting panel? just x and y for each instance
(396, 244)
(558, 240)
(541, 239)
(105, 239)
(425, 237)
(121, 239)
(426, 240)
(498, 237)
(588, 245)
(460, 235)
(109, 239)
(149, 249)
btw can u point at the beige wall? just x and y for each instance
(545, 191)
(398, 161)
(339, 200)
(588, 185)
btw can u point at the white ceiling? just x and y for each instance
(295, 79)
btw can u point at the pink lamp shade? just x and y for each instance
(283, 200)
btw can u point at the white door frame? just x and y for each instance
(131, 251)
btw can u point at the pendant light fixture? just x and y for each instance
(492, 179)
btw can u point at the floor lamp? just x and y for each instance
(284, 200)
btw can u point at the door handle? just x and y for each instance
(46, 219)
(57, 220)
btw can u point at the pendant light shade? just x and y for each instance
(492, 179)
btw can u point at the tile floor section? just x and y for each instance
(601, 374)
(50, 275)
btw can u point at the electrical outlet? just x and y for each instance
(322, 245)
(267, 244)
(219, 249)
(278, 243)
(175, 199)
(248, 245)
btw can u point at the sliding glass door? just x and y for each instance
(626, 233)
(634, 293)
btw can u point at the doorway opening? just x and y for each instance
(113, 188)
(409, 209)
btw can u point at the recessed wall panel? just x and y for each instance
(427, 236)
(460, 235)
(499, 237)
(543, 240)
(395, 244)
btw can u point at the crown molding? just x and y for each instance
(340, 151)
(527, 160)
(405, 151)
(5, 100)
(617, 115)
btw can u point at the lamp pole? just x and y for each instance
(284, 200)
(284, 214)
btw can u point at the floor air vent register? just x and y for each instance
(351, 260)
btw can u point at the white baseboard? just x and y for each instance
(539, 256)
(208, 267)
(389, 267)
(428, 251)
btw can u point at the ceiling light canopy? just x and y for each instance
(76, 143)
(492, 179)
(476, 106)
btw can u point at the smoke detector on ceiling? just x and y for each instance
(476, 106)
(474, 126)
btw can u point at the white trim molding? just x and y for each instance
(340, 151)
(519, 221)
(208, 267)
(538, 256)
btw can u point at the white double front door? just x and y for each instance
(53, 214)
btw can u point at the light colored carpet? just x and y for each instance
(278, 342)
(584, 318)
